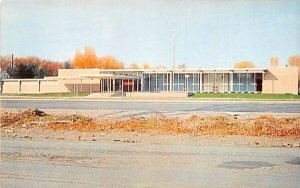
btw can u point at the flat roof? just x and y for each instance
(221, 70)
(167, 69)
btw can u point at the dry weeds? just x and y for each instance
(194, 125)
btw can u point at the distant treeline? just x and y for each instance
(34, 67)
(29, 67)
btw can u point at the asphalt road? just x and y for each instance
(161, 106)
(95, 164)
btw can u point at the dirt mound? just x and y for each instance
(194, 125)
(21, 117)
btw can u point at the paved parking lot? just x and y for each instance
(159, 106)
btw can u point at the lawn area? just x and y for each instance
(50, 95)
(245, 96)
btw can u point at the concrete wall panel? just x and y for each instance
(49, 86)
(281, 80)
(29, 86)
(10, 87)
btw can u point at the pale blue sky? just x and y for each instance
(209, 34)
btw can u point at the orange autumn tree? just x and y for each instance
(90, 57)
(145, 66)
(90, 60)
(274, 61)
(86, 60)
(294, 61)
(109, 62)
(244, 64)
(78, 60)
(5, 63)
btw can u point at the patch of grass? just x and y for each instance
(51, 95)
(245, 96)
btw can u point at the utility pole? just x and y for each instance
(12, 61)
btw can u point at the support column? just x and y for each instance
(20, 86)
(77, 86)
(114, 85)
(170, 82)
(100, 88)
(254, 83)
(1, 85)
(262, 81)
(110, 85)
(231, 81)
(149, 82)
(208, 85)
(223, 83)
(173, 81)
(178, 82)
(107, 85)
(215, 80)
(122, 86)
(185, 85)
(142, 83)
(185, 80)
(163, 82)
(132, 87)
(100, 85)
(110, 81)
(200, 81)
(39, 83)
(173, 78)
(103, 86)
(247, 82)
(156, 82)
(193, 84)
(239, 82)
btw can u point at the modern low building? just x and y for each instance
(159, 81)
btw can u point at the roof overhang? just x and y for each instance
(109, 76)
(216, 71)
(249, 71)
